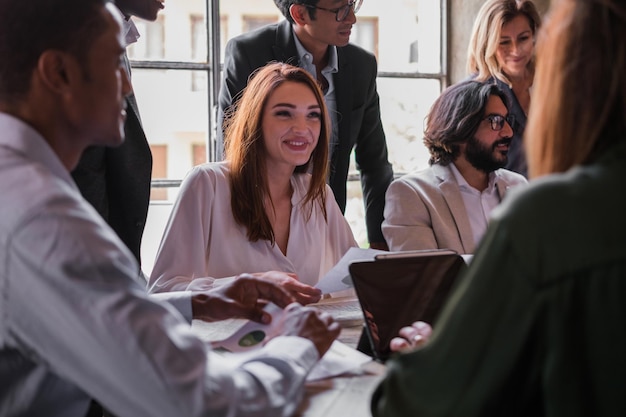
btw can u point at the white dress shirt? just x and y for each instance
(202, 238)
(76, 325)
(478, 204)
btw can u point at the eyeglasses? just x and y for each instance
(497, 121)
(341, 12)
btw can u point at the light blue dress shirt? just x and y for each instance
(306, 62)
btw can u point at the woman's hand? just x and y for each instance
(302, 293)
(411, 337)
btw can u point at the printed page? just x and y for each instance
(338, 278)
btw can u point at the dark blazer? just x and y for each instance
(116, 181)
(517, 156)
(360, 127)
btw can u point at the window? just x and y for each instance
(152, 40)
(159, 170)
(198, 51)
(365, 34)
(176, 83)
(251, 22)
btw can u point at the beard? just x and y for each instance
(485, 158)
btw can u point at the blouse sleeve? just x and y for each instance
(182, 257)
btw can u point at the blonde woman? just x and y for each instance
(502, 51)
(267, 206)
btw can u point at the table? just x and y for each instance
(346, 395)
(341, 396)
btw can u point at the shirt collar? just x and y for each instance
(129, 29)
(25, 140)
(307, 57)
(460, 179)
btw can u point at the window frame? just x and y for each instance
(213, 40)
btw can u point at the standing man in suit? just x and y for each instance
(448, 205)
(116, 181)
(315, 36)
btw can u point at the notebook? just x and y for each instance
(398, 288)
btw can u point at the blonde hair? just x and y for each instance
(580, 87)
(246, 152)
(492, 16)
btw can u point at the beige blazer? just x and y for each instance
(425, 210)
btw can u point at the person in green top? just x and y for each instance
(537, 324)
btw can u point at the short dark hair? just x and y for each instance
(30, 27)
(455, 116)
(283, 6)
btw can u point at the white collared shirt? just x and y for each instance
(129, 29)
(76, 324)
(478, 205)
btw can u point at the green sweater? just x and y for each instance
(537, 326)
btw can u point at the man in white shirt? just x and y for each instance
(448, 205)
(75, 323)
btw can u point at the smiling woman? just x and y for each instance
(267, 206)
(502, 50)
(291, 127)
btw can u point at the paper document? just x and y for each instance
(252, 335)
(339, 359)
(338, 278)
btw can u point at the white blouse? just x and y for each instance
(202, 241)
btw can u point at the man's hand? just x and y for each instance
(302, 293)
(312, 324)
(411, 337)
(245, 298)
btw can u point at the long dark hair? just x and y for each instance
(455, 116)
(580, 86)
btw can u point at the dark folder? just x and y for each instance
(399, 288)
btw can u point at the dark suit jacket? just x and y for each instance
(116, 181)
(360, 126)
(517, 156)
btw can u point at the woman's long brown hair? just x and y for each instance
(246, 153)
(579, 100)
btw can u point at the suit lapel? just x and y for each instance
(451, 193)
(501, 185)
(132, 109)
(285, 46)
(343, 97)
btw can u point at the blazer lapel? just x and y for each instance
(343, 97)
(131, 102)
(285, 46)
(451, 193)
(502, 185)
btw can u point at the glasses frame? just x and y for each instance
(496, 121)
(355, 5)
